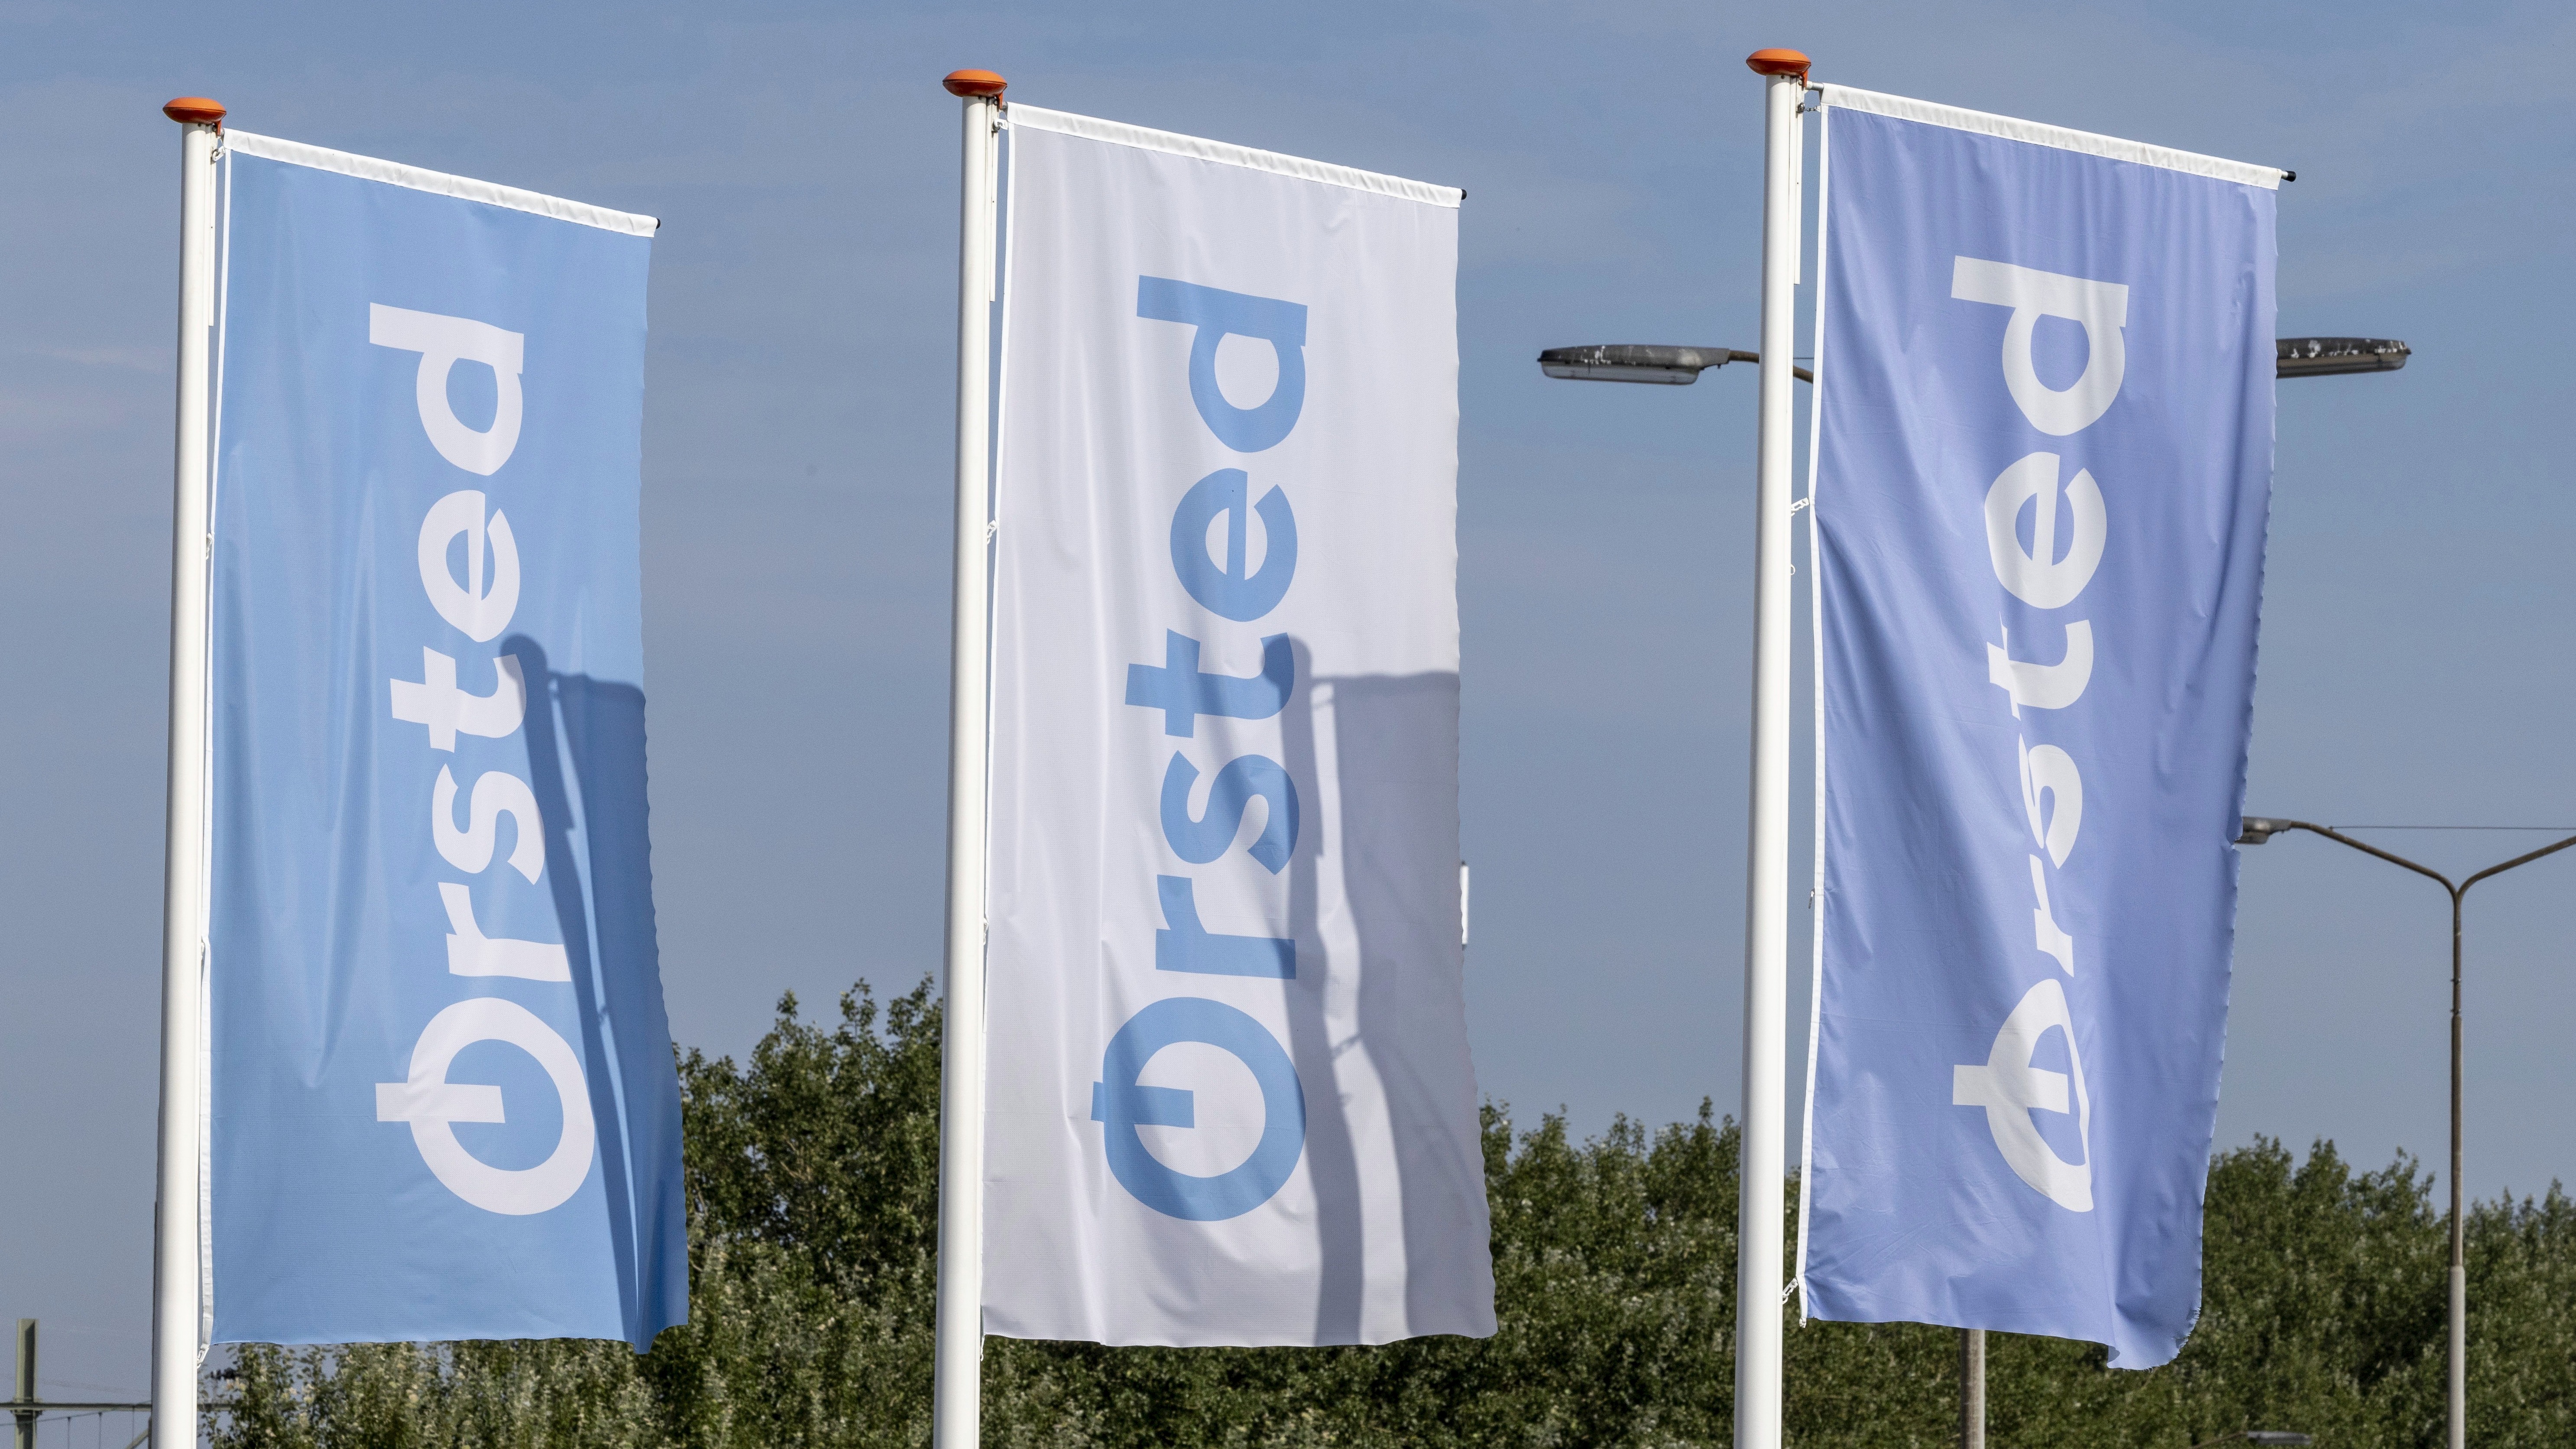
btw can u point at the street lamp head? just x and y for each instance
(2327, 356)
(2258, 830)
(1634, 362)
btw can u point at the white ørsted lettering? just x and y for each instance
(471, 953)
(431, 1104)
(443, 342)
(2037, 576)
(2052, 794)
(496, 793)
(2010, 1089)
(482, 613)
(2007, 1086)
(2051, 941)
(2044, 686)
(449, 711)
(2100, 308)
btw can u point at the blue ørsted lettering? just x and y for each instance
(1121, 1105)
(1238, 783)
(1182, 693)
(1227, 585)
(1149, 1106)
(1185, 945)
(1215, 313)
(1227, 589)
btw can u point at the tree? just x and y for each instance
(812, 1177)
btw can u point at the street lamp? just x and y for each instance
(1651, 362)
(1643, 362)
(2326, 356)
(2258, 829)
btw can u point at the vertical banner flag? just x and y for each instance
(1230, 1099)
(443, 1100)
(2042, 469)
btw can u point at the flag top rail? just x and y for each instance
(1959, 118)
(1226, 153)
(369, 168)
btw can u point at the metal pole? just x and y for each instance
(1972, 1388)
(1761, 1195)
(2457, 1398)
(957, 1387)
(175, 1226)
(27, 1383)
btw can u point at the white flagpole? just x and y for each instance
(175, 1269)
(1761, 1200)
(957, 1385)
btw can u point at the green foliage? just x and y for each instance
(812, 1197)
(562, 1391)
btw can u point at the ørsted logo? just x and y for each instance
(1219, 574)
(478, 606)
(2007, 1085)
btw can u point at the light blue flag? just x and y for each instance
(443, 1097)
(2044, 460)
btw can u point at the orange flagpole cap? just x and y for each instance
(1778, 62)
(976, 84)
(195, 110)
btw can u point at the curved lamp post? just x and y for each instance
(2258, 829)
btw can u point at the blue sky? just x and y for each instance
(2416, 668)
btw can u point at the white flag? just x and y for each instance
(1229, 1093)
